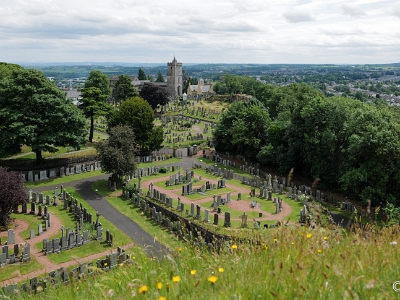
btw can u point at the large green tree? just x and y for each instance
(118, 153)
(34, 112)
(242, 129)
(141, 75)
(99, 80)
(123, 89)
(138, 115)
(155, 95)
(160, 77)
(94, 104)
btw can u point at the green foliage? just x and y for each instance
(160, 77)
(242, 129)
(99, 80)
(138, 115)
(187, 125)
(34, 112)
(93, 104)
(141, 75)
(163, 170)
(123, 89)
(6, 69)
(117, 154)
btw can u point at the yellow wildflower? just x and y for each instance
(221, 270)
(159, 285)
(179, 249)
(325, 238)
(176, 279)
(193, 272)
(213, 279)
(234, 246)
(319, 250)
(143, 289)
(292, 243)
(275, 240)
(162, 298)
(309, 235)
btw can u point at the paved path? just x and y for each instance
(125, 224)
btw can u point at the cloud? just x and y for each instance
(352, 10)
(396, 11)
(298, 16)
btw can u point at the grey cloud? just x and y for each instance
(298, 16)
(396, 11)
(352, 10)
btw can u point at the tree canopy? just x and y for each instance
(118, 153)
(12, 194)
(352, 146)
(34, 112)
(136, 113)
(99, 80)
(93, 104)
(123, 89)
(155, 95)
(141, 75)
(160, 77)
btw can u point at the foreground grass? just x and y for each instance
(19, 269)
(292, 263)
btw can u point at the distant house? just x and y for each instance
(199, 90)
(75, 95)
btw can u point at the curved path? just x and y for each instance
(125, 224)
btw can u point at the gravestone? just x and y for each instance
(32, 234)
(227, 221)
(215, 219)
(11, 237)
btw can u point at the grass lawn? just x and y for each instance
(196, 184)
(206, 194)
(19, 269)
(61, 180)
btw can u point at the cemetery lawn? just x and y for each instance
(61, 180)
(120, 238)
(19, 269)
(32, 220)
(212, 163)
(161, 184)
(126, 207)
(197, 196)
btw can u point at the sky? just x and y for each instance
(218, 31)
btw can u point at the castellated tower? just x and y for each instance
(174, 79)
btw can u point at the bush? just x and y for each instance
(131, 189)
(163, 170)
(187, 125)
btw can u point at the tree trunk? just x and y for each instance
(91, 127)
(39, 157)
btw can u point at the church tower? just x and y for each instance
(174, 79)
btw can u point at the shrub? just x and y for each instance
(163, 170)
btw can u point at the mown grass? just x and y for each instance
(290, 263)
(19, 269)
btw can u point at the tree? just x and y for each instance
(123, 89)
(141, 75)
(242, 129)
(138, 115)
(155, 95)
(99, 80)
(118, 153)
(12, 194)
(160, 77)
(93, 104)
(34, 112)
(150, 78)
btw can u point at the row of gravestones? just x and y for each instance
(48, 174)
(151, 158)
(64, 276)
(17, 256)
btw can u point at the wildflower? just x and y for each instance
(234, 246)
(275, 240)
(292, 243)
(319, 250)
(221, 270)
(121, 265)
(193, 272)
(266, 247)
(213, 279)
(176, 279)
(393, 243)
(325, 238)
(143, 289)
(162, 298)
(309, 235)
(179, 249)
(105, 264)
(133, 258)
(159, 285)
